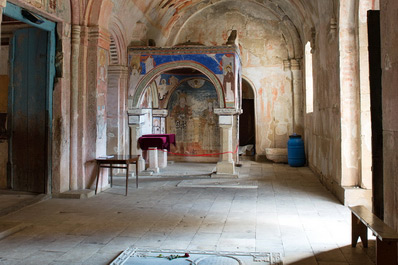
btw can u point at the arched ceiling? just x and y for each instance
(167, 16)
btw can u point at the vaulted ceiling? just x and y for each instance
(168, 16)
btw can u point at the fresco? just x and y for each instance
(156, 125)
(101, 96)
(102, 85)
(192, 119)
(224, 65)
(166, 83)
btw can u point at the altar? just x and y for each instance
(156, 146)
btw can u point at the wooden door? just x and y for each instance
(27, 98)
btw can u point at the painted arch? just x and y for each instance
(151, 75)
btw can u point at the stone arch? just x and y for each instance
(150, 76)
(98, 12)
(250, 82)
(118, 42)
(246, 108)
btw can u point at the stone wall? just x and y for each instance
(322, 126)
(263, 52)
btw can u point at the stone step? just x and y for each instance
(9, 228)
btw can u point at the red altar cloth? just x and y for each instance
(159, 142)
(171, 137)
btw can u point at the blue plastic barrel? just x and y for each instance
(295, 151)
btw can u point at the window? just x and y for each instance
(309, 87)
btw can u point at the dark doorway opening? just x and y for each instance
(376, 111)
(247, 135)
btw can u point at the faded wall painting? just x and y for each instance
(221, 62)
(101, 95)
(192, 119)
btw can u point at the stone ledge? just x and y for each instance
(351, 196)
(9, 228)
(216, 175)
(24, 203)
(79, 194)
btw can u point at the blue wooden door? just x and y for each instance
(28, 90)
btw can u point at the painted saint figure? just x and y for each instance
(162, 89)
(181, 113)
(229, 84)
(134, 77)
(209, 125)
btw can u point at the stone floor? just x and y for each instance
(289, 212)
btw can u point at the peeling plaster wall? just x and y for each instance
(263, 51)
(389, 40)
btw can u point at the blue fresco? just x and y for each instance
(212, 61)
(167, 77)
(191, 113)
(197, 97)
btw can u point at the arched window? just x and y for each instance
(309, 87)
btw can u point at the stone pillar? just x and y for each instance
(162, 157)
(349, 95)
(75, 108)
(116, 106)
(135, 121)
(365, 117)
(226, 165)
(94, 111)
(153, 159)
(123, 119)
(298, 106)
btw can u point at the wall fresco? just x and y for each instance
(192, 119)
(102, 85)
(224, 65)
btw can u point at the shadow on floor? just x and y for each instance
(346, 255)
(12, 201)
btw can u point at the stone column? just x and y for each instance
(116, 105)
(365, 116)
(75, 127)
(226, 165)
(123, 119)
(349, 95)
(298, 106)
(136, 121)
(162, 155)
(153, 159)
(94, 110)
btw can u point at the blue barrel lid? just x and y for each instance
(295, 135)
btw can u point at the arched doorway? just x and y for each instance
(247, 135)
(182, 102)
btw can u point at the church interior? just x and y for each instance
(203, 99)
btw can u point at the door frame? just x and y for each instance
(14, 12)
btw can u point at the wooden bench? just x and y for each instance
(386, 242)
